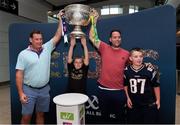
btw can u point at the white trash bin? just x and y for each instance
(70, 108)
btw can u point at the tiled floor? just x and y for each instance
(178, 109)
(5, 108)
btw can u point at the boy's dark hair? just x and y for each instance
(78, 57)
(34, 32)
(114, 30)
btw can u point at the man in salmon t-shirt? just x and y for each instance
(111, 95)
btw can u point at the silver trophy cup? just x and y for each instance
(77, 15)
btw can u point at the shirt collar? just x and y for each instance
(36, 51)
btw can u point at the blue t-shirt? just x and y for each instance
(36, 67)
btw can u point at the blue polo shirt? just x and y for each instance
(36, 66)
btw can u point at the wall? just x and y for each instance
(5, 20)
(29, 11)
(34, 9)
(142, 4)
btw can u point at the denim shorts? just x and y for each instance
(37, 98)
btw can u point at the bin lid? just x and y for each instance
(70, 99)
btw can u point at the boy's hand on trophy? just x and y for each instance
(73, 40)
(83, 41)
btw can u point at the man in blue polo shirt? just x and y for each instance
(32, 75)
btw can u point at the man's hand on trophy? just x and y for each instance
(60, 14)
(95, 15)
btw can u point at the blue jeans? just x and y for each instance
(38, 98)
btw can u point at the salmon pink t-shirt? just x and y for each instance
(113, 62)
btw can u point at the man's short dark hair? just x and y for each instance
(34, 32)
(114, 30)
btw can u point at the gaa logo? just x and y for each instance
(93, 103)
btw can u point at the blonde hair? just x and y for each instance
(137, 49)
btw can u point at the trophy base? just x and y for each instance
(78, 34)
